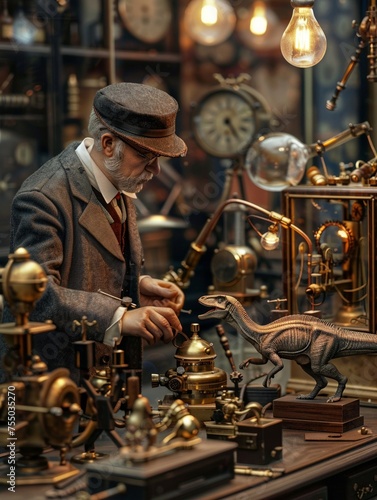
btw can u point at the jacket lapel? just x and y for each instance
(92, 217)
(94, 221)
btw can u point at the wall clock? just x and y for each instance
(227, 119)
(146, 20)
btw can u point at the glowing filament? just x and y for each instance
(302, 40)
(258, 21)
(208, 14)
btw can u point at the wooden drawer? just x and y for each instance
(362, 485)
(357, 484)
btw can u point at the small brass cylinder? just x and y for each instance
(315, 177)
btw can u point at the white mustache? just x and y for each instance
(146, 178)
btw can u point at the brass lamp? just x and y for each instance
(197, 249)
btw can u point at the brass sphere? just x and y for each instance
(22, 280)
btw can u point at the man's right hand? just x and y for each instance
(151, 323)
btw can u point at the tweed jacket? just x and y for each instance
(58, 219)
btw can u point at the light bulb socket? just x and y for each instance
(302, 3)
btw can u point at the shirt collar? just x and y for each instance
(96, 177)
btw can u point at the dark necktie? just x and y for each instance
(114, 210)
(115, 204)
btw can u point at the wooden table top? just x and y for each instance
(304, 462)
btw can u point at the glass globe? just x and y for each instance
(209, 22)
(276, 161)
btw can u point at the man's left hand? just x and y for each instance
(155, 292)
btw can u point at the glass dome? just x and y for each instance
(276, 161)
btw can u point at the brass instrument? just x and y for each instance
(259, 439)
(367, 33)
(153, 463)
(195, 380)
(37, 408)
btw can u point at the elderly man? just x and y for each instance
(75, 216)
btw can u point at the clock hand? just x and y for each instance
(231, 127)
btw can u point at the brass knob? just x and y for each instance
(155, 380)
(315, 177)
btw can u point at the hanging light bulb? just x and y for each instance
(270, 240)
(259, 28)
(303, 43)
(258, 20)
(209, 22)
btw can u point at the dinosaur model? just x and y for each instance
(310, 341)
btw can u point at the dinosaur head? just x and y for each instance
(219, 304)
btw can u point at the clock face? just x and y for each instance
(224, 123)
(147, 20)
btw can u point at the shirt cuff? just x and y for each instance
(113, 333)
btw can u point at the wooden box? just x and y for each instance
(317, 414)
(259, 442)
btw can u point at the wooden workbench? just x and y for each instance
(313, 470)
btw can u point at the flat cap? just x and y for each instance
(142, 115)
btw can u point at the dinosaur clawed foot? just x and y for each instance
(305, 396)
(267, 381)
(333, 399)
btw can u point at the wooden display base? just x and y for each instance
(172, 477)
(317, 414)
(52, 475)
